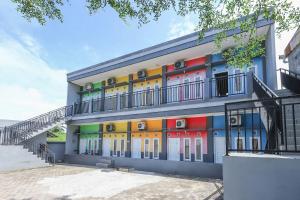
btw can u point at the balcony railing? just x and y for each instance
(233, 84)
(223, 86)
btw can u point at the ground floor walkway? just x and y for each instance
(63, 182)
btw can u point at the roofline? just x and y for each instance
(178, 44)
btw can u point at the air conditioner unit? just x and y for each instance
(142, 74)
(180, 123)
(141, 125)
(88, 87)
(179, 64)
(111, 81)
(110, 127)
(235, 120)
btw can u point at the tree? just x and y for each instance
(212, 14)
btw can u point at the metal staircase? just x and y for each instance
(24, 130)
(279, 126)
(32, 133)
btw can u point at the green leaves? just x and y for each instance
(41, 10)
(222, 15)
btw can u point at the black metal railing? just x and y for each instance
(230, 85)
(150, 97)
(82, 107)
(251, 127)
(24, 130)
(290, 80)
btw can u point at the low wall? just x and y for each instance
(261, 177)
(198, 169)
(58, 148)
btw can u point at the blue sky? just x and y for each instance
(34, 59)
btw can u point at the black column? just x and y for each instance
(128, 152)
(130, 90)
(100, 139)
(164, 84)
(164, 141)
(209, 157)
(102, 96)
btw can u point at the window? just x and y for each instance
(115, 147)
(146, 148)
(122, 153)
(173, 91)
(148, 96)
(239, 143)
(90, 146)
(198, 149)
(254, 143)
(186, 89)
(238, 81)
(187, 151)
(198, 88)
(253, 68)
(155, 148)
(95, 146)
(156, 95)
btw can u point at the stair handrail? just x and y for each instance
(16, 133)
(289, 72)
(268, 91)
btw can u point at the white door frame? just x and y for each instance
(172, 150)
(106, 143)
(132, 147)
(215, 147)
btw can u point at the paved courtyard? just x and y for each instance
(82, 183)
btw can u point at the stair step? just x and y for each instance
(105, 160)
(102, 165)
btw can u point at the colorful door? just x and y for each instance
(106, 147)
(174, 149)
(136, 148)
(219, 149)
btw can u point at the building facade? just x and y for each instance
(165, 104)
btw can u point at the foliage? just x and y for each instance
(56, 134)
(212, 14)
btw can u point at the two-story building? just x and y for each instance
(163, 106)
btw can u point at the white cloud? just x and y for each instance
(181, 28)
(28, 85)
(91, 52)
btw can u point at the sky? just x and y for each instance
(35, 59)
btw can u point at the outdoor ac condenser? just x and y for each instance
(110, 127)
(235, 120)
(141, 125)
(180, 123)
(179, 64)
(111, 81)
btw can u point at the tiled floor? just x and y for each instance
(74, 182)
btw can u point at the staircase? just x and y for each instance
(30, 134)
(15, 157)
(279, 113)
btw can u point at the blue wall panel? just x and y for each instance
(219, 129)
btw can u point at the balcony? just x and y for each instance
(212, 88)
